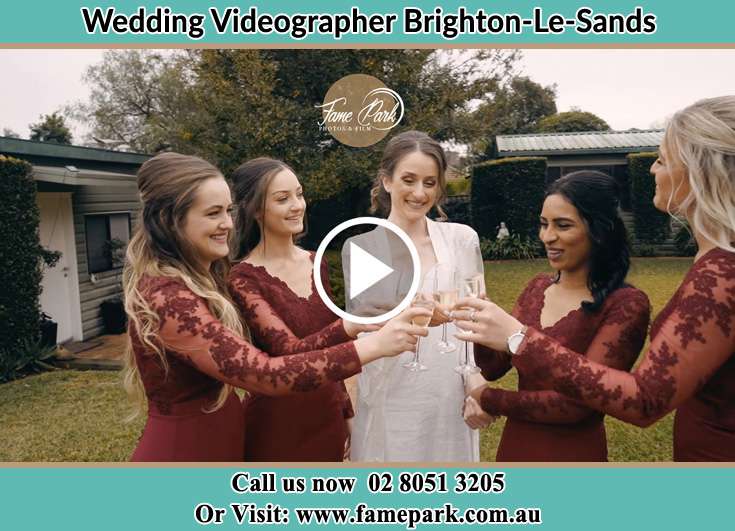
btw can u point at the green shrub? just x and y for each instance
(651, 225)
(458, 187)
(336, 279)
(509, 190)
(684, 241)
(457, 209)
(515, 247)
(21, 259)
(30, 357)
(644, 250)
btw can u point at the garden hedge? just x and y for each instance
(651, 225)
(20, 259)
(509, 190)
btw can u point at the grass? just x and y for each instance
(78, 416)
(66, 416)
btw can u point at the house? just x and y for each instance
(595, 150)
(87, 198)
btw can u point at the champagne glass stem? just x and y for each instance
(416, 354)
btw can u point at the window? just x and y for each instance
(104, 234)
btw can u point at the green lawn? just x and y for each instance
(78, 416)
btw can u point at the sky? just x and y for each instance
(627, 88)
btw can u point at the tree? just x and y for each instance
(572, 121)
(9, 133)
(51, 128)
(232, 105)
(141, 98)
(516, 108)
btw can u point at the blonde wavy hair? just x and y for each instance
(168, 184)
(702, 138)
(398, 147)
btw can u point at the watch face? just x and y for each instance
(514, 342)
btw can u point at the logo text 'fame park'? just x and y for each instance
(359, 110)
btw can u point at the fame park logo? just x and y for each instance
(359, 110)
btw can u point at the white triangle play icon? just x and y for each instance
(365, 270)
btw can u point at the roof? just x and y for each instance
(81, 177)
(579, 142)
(20, 147)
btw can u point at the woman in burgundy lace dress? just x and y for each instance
(690, 364)
(186, 339)
(274, 290)
(585, 306)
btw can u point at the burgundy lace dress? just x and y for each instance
(311, 426)
(689, 366)
(544, 425)
(201, 355)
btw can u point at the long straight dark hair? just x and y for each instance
(595, 195)
(250, 183)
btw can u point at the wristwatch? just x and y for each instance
(514, 340)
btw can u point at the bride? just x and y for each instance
(403, 415)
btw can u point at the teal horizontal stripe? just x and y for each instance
(165, 498)
(48, 22)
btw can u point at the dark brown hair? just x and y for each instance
(250, 182)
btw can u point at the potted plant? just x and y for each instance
(49, 329)
(113, 315)
(113, 309)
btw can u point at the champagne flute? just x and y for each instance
(423, 299)
(471, 287)
(446, 291)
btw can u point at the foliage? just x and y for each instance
(51, 128)
(115, 251)
(49, 257)
(457, 209)
(651, 225)
(515, 247)
(571, 122)
(9, 133)
(515, 108)
(684, 241)
(30, 357)
(336, 279)
(140, 98)
(459, 187)
(232, 105)
(643, 250)
(21, 260)
(509, 190)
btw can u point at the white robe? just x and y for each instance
(416, 416)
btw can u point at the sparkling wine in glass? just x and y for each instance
(446, 292)
(471, 287)
(422, 300)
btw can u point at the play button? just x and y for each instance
(365, 270)
(380, 269)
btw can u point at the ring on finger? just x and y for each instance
(473, 316)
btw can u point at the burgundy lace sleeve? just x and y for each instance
(616, 344)
(690, 340)
(190, 331)
(268, 329)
